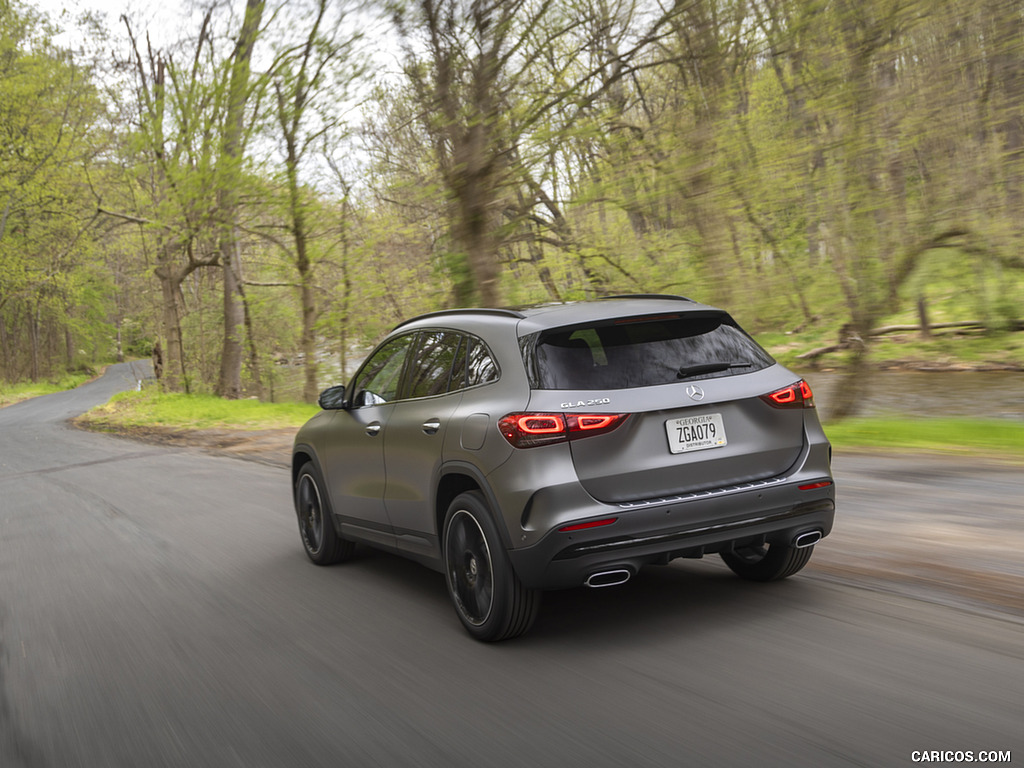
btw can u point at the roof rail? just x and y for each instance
(467, 311)
(649, 296)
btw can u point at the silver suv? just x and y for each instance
(563, 445)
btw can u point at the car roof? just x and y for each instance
(541, 316)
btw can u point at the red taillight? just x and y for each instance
(602, 421)
(585, 526)
(528, 430)
(540, 424)
(798, 395)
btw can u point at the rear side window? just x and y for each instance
(642, 352)
(480, 368)
(431, 370)
(447, 361)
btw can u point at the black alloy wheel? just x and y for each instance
(767, 562)
(322, 543)
(468, 559)
(489, 599)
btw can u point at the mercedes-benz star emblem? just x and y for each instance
(695, 392)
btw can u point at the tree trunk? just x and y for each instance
(174, 378)
(33, 330)
(5, 351)
(474, 185)
(69, 348)
(310, 386)
(922, 313)
(250, 335)
(230, 385)
(120, 345)
(300, 236)
(852, 385)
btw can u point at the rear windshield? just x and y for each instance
(641, 352)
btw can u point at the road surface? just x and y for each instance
(156, 609)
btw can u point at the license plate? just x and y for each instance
(695, 433)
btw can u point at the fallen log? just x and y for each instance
(848, 339)
(884, 329)
(820, 351)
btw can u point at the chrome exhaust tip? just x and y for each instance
(608, 578)
(808, 539)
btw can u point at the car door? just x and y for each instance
(414, 437)
(355, 454)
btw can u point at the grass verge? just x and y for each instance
(964, 437)
(14, 393)
(151, 408)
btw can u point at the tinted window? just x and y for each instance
(480, 368)
(458, 380)
(429, 373)
(379, 378)
(643, 352)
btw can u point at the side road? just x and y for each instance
(948, 530)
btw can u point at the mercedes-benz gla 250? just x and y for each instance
(518, 451)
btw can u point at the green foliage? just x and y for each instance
(13, 393)
(150, 407)
(809, 167)
(52, 293)
(962, 437)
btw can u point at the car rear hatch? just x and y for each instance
(695, 387)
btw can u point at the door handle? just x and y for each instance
(431, 427)
(373, 428)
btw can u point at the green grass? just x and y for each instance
(968, 437)
(13, 393)
(151, 408)
(972, 437)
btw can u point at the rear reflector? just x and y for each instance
(815, 486)
(591, 524)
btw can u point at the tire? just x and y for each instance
(489, 599)
(767, 562)
(321, 541)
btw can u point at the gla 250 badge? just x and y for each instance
(586, 403)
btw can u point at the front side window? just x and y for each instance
(377, 382)
(642, 352)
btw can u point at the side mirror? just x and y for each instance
(332, 398)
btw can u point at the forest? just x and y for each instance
(275, 186)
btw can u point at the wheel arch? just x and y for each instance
(300, 455)
(460, 477)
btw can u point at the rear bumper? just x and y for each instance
(659, 532)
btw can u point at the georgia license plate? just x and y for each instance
(695, 433)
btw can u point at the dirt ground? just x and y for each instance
(266, 446)
(952, 558)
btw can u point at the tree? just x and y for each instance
(174, 113)
(48, 111)
(228, 195)
(309, 80)
(468, 67)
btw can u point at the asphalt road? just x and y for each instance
(156, 609)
